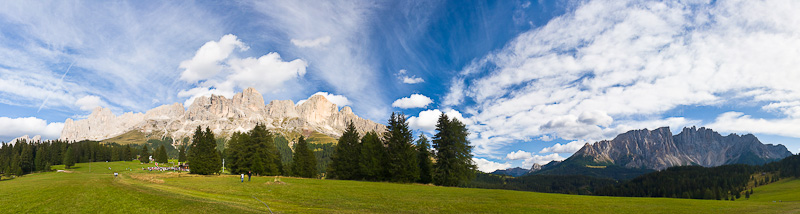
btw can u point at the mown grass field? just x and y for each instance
(138, 191)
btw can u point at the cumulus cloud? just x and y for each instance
(89, 102)
(570, 147)
(207, 59)
(530, 158)
(426, 120)
(610, 66)
(221, 73)
(408, 79)
(738, 122)
(339, 100)
(412, 80)
(489, 166)
(414, 101)
(311, 43)
(11, 128)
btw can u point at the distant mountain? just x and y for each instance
(224, 116)
(515, 172)
(640, 151)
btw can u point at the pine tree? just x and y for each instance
(39, 161)
(265, 158)
(344, 163)
(424, 160)
(26, 159)
(373, 157)
(69, 158)
(144, 155)
(182, 154)
(203, 157)
(454, 164)
(161, 154)
(403, 166)
(304, 163)
(237, 153)
(127, 153)
(16, 167)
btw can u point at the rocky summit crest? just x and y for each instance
(224, 116)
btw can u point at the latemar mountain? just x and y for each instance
(639, 151)
(224, 116)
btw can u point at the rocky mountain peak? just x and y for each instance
(658, 149)
(224, 116)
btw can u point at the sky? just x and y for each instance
(532, 80)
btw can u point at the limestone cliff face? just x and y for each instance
(658, 149)
(224, 116)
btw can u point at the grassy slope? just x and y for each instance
(131, 137)
(139, 191)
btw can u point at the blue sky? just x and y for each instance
(533, 80)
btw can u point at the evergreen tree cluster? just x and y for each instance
(727, 182)
(566, 184)
(26, 157)
(204, 159)
(396, 158)
(262, 153)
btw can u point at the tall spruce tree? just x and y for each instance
(238, 154)
(69, 158)
(265, 158)
(127, 153)
(424, 159)
(182, 154)
(203, 157)
(16, 167)
(373, 157)
(403, 166)
(161, 154)
(304, 163)
(26, 158)
(144, 155)
(345, 158)
(454, 164)
(40, 160)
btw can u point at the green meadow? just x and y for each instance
(92, 188)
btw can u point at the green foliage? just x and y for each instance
(454, 164)
(373, 158)
(324, 154)
(283, 149)
(254, 152)
(161, 155)
(402, 165)
(69, 158)
(304, 163)
(566, 184)
(344, 163)
(144, 155)
(182, 154)
(203, 156)
(578, 165)
(424, 159)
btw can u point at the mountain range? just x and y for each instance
(640, 151)
(223, 116)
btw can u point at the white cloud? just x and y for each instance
(207, 59)
(608, 66)
(740, 123)
(426, 121)
(311, 43)
(89, 102)
(570, 147)
(519, 155)
(339, 100)
(223, 74)
(414, 101)
(11, 128)
(412, 80)
(530, 158)
(489, 166)
(541, 160)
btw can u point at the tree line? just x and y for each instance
(727, 182)
(394, 157)
(26, 157)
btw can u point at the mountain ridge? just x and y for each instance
(224, 116)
